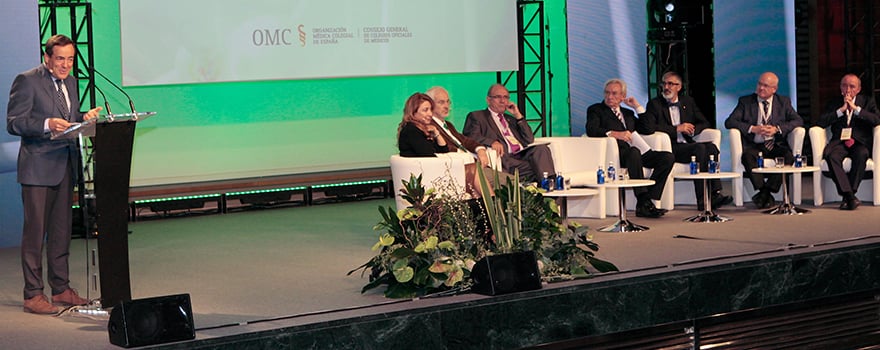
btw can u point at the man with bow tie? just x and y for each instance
(852, 118)
(679, 117)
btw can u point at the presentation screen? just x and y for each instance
(198, 41)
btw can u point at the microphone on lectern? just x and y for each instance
(103, 97)
(130, 102)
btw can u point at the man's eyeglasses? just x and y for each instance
(500, 97)
(670, 83)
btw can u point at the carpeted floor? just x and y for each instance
(290, 263)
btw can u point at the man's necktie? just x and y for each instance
(848, 143)
(452, 137)
(768, 143)
(65, 112)
(619, 116)
(514, 143)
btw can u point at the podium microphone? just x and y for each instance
(106, 104)
(104, 97)
(130, 102)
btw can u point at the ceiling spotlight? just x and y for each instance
(664, 14)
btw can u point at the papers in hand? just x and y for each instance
(638, 142)
(70, 129)
(533, 144)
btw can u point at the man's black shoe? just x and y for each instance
(769, 202)
(719, 200)
(759, 200)
(850, 203)
(647, 209)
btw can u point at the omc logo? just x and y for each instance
(302, 35)
(278, 37)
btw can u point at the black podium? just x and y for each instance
(112, 140)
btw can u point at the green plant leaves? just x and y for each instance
(430, 246)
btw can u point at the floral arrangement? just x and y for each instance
(431, 246)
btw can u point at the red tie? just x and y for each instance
(849, 143)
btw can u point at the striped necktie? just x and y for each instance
(65, 112)
(619, 116)
(768, 143)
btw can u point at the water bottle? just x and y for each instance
(695, 168)
(560, 181)
(612, 174)
(713, 165)
(798, 160)
(600, 175)
(545, 182)
(760, 159)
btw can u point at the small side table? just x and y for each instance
(707, 215)
(786, 208)
(563, 195)
(622, 224)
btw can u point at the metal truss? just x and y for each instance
(862, 42)
(532, 78)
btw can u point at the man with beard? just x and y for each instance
(679, 117)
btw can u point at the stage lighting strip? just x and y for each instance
(300, 188)
(259, 191)
(176, 198)
(351, 183)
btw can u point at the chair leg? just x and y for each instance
(738, 191)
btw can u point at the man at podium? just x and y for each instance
(42, 101)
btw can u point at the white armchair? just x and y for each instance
(432, 169)
(684, 189)
(658, 142)
(795, 141)
(823, 186)
(577, 159)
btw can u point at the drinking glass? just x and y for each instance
(780, 162)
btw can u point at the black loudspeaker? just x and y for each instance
(506, 273)
(151, 321)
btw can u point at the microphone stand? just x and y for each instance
(130, 101)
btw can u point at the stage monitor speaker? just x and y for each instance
(151, 321)
(506, 273)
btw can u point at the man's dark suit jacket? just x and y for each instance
(862, 124)
(33, 99)
(481, 127)
(468, 143)
(601, 120)
(746, 114)
(658, 118)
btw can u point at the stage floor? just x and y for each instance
(270, 268)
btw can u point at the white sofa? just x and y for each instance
(795, 141)
(823, 187)
(577, 159)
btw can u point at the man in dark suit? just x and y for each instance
(42, 101)
(679, 117)
(509, 135)
(606, 118)
(852, 118)
(765, 119)
(454, 139)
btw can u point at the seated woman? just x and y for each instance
(419, 136)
